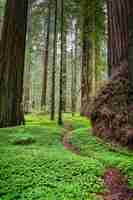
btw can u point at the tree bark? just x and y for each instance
(117, 32)
(54, 65)
(61, 66)
(27, 96)
(130, 50)
(72, 81)
(46, 54)
(111, 114)
(74, 73)
(86, 77)
(64, 73)
(97, 79)
(12, 62)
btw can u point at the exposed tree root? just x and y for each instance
(117, 186)
(111, 112)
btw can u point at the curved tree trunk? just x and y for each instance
(12, 62)
(111, 114)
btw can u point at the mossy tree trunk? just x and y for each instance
(12, 62)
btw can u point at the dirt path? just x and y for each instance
(66, 134)
(117, 186)
(114, 181)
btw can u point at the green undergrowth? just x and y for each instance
(45, 170)
(108, 155)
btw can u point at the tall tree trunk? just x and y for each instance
(72, 81)
(74, 71)
(54, 65)
(97, 79)
(110, 38)
(12, 62)
(64, 73)
(27, 96)
(61, 66)
(46, 54)
(86, 71)
(117, 32)
(93, 51)
(1, 23)
(111, 115)
(93, 67)
(130, 52)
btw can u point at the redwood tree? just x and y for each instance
(12, 62)
(46, 55)
(130, 48)
(27, 93)
(117, 32)
(54, 61)
(86, 76)
(111, 113)
(61, 66)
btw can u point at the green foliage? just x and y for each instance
(107, 154)
(47, 171)
(22, 138)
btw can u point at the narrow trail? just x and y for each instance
(115, 183)
(66, 134)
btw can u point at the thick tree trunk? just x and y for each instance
(86, 77)
(130, 50)
(111, 114)
(86, 74)
(12, 62)
(46, 54)
(117, 32)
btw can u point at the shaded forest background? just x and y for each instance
(84, 54)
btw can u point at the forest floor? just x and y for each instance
(43, 161)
